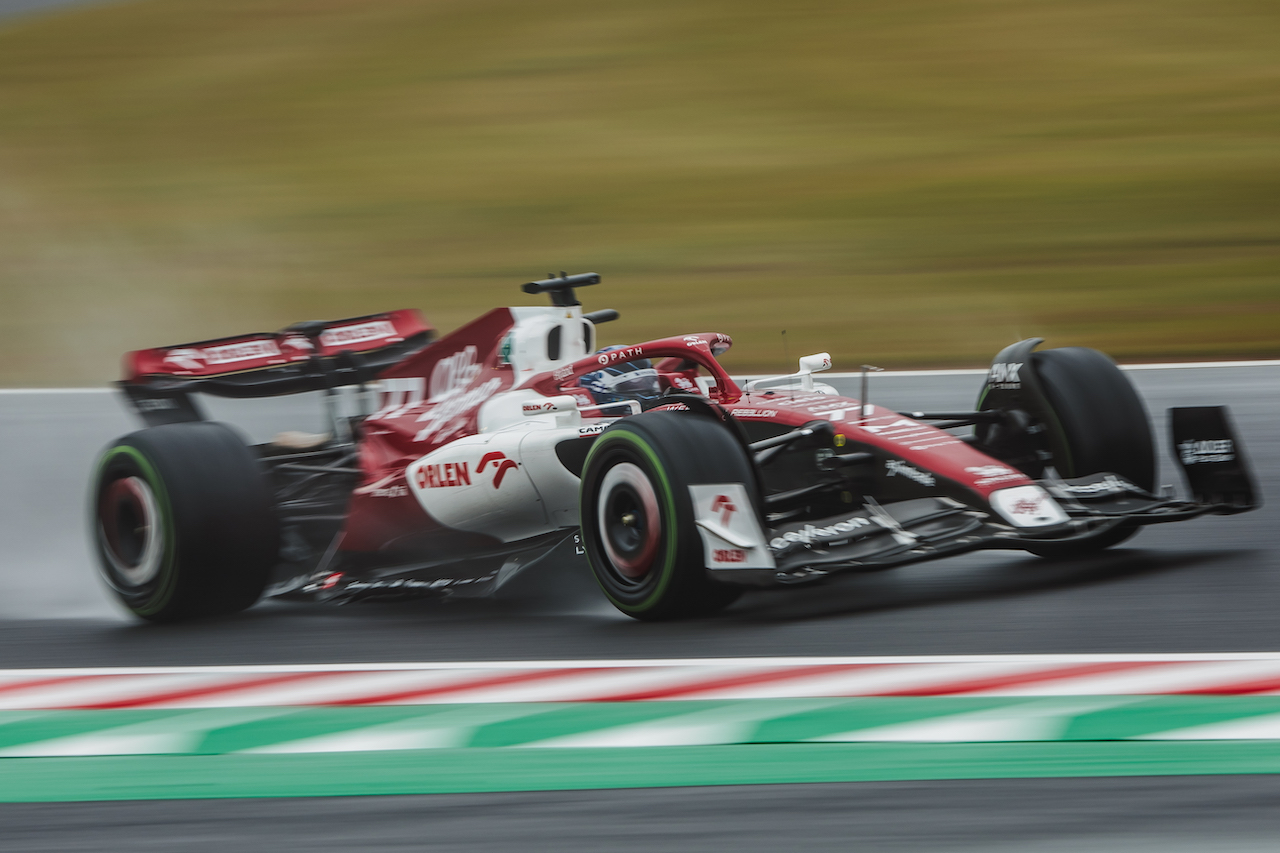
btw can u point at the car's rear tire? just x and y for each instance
(638, 524)
(183, 522)
(1104, 427)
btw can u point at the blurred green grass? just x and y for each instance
(911, 184)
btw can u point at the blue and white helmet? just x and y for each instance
(630, 380)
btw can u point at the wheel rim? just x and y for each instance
(130, 530)
(629, 521)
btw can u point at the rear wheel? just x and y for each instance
(183, 522)
(1102, 425)
(638, 522)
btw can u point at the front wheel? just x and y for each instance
(1103, 426)
(183, 522)
(638, 523)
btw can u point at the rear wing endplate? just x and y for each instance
(1212, 458)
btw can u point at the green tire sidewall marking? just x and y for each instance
(168, 578)
(668, 500)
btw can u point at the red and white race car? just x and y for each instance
(515, 437)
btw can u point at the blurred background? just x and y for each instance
(913, 183)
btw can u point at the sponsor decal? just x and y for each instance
(900, 429)
(562, 373)
(989, 471)
(186, 358)
(453, 373)
(912, 434)
(752, 413)
(593, 429)
(814, 402)
(723, 504)
(399, 395)
(695, 341)
(1109, 485)
(538, 408)
(414, 583)
(439, 475)
(809, 534)
(1193, 452)
(374, 330)
(897, 468)
(246, 351)
(1027, 506)
(437, 419)
(623, 354)
(397, 584)
(159, 404)
(1004, 376)
(729, 527)
(396, 491)
(501, 465)
(934, 444)
(452, 394)
(988, 475)
(297, 347)
(683, 382)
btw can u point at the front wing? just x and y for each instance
(884, 536)
(877, 536)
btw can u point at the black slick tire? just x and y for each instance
(638, 524)
(1103, 426)
(183, 522)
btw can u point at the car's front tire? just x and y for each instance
(638, 524)
(1104, 427)
(183, 522)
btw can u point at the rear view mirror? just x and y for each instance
(815, 363)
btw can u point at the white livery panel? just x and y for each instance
(479, 484)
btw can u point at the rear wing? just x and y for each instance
(311, 356)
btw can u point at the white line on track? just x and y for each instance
(20, 391)
(1200, 364)
(1191, 365)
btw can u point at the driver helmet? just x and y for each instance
(629, 380)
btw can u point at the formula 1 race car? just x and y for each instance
(514, 438)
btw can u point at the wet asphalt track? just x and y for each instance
(1145, 815)
(1207, 585)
